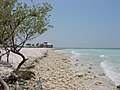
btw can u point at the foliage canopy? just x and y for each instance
(20, 23)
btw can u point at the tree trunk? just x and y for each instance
(22, 62)
(0, 55)
(8, 57)
(0, 58)
(3, 84)
(7, 53)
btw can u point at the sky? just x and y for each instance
(83, 23)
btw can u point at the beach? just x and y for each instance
(58, 71)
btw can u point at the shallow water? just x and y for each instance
(109, 60)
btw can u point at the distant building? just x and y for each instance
(47, 45)
(43, 45)
(28, 45)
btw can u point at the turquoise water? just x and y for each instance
(109, 60)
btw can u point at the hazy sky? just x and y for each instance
(83, 23)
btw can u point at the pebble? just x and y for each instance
(82, 64)
(64, 58)
(89, 71)
(98, 83)
(76, 64)
(56, 74)
(90, 67)
(118, 86)
(80, 75)
(77, 59)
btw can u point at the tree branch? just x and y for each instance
(4, 84)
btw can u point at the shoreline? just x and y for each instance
(92, 72)
(57, 71)
(60, 72)
(100, 64)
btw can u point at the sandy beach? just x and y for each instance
(58, 71)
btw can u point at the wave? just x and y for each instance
(74, 53)
(109, 60)
(110, 72)
(103, 56)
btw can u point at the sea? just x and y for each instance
(108, 58)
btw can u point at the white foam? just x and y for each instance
(114, 76)
(103, 56)
(75, 53)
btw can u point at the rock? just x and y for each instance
(118, 86)
(91, 65)
(76, 64)
(76, 71)
(86, 78)
(48, 69)
(64, 58)
(90, 68)
(85, 74)
(102, 74)
(77, 59)
(80, 75)
(98, 83)
(89, 72)
(31, 88)
(82, 64)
